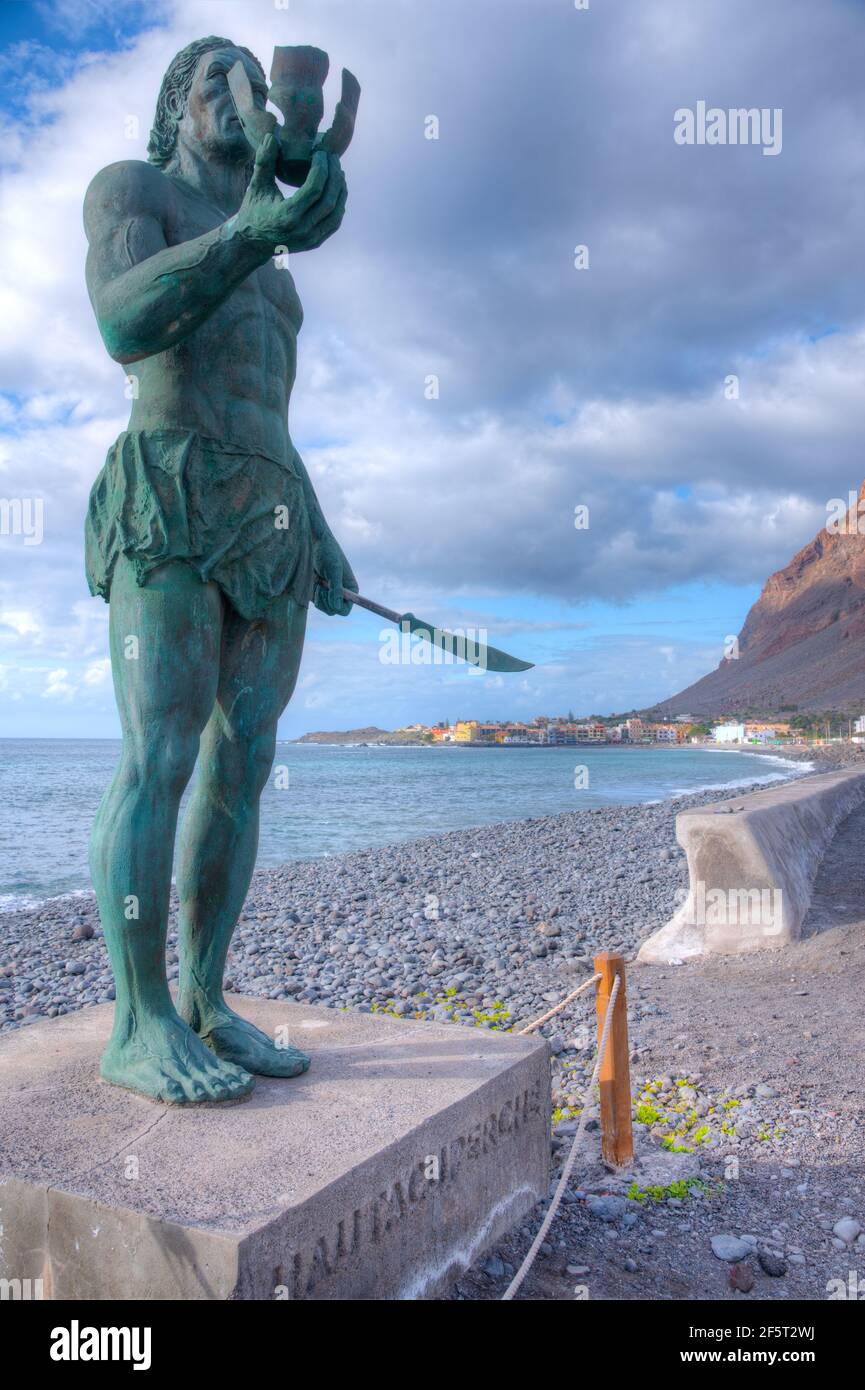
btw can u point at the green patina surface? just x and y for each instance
(204, 532)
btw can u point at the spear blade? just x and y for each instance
(463, 648)
(478, 654)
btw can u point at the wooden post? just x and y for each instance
(617, 1136)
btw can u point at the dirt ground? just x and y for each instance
(789, 1022)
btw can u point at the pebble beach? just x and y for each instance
(734, 1060)
(504, 917)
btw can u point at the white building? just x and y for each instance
(729, 733)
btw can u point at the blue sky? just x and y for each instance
(558, 387)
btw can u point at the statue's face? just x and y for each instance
(209, 124)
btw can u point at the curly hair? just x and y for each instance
(174, 94)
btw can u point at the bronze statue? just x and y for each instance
(205, 534)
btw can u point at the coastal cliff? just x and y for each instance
(802, 646)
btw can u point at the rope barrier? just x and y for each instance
(530, 1028)
(535, 1246)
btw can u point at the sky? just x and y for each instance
(692, 377)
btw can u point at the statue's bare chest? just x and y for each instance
(266, 301)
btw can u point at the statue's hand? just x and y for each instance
(300, 222)
(332, 566)
(329, 210)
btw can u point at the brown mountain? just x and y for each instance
(803, 643)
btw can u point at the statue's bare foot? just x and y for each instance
(235, 1040)
(162, 1058)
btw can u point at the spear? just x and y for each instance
(476, 653)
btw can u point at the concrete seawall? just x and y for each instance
(751, 866)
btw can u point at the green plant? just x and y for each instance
(647, 1115)
(682, 1189)
(669, 1143)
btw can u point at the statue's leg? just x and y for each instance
(165, 641)
(219, 836)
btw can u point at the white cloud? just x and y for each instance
(57, 685)
(98, 673)
(455, 258)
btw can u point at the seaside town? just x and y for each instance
(633, 730)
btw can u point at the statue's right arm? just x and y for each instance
(148, 295)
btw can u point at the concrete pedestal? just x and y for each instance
(406, 1150)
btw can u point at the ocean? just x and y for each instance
(344, 798)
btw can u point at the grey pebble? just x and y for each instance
(730, 1248)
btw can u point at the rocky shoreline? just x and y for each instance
(825, 757)
(750, 1181)
(503, 916)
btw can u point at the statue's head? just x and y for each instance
(195, 106)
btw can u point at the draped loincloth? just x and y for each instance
(239, 519)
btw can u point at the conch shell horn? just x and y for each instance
(297, 78)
